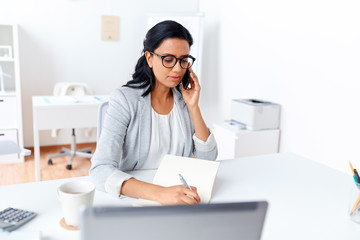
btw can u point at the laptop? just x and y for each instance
(225, 221)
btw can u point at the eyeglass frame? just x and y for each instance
(177, 59)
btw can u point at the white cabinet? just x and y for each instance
(11, 127)
(233, 143)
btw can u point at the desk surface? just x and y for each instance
(51, 101)
(307, 200)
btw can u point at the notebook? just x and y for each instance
(197, 172)
(230, 221)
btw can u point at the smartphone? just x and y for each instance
(186, 79)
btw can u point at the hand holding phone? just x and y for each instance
(191, 95)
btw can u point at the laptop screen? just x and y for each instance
(228, 221)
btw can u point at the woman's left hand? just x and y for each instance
(191, 96)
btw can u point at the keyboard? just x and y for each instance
(12, 218)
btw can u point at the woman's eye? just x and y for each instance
(168, 59)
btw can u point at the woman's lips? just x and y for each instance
(174, 78)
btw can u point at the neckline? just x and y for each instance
(173, 104)
(163, 115)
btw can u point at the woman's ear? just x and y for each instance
(149, 58)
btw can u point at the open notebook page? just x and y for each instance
(197, 172)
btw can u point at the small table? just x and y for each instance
(51, 112)
(234, 143)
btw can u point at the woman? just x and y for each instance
(153, 115)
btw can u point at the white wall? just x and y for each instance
(60, 40)
(301, 54)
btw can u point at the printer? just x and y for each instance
(256, 114)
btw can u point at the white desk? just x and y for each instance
(51, 112)
(306, 200)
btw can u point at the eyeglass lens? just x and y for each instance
(170, 61)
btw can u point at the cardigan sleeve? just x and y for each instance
(205, 150)
(205, 146)
(104, 170)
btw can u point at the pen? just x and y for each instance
(352, 169)
(355, 204)
(356, 176)
(99, 99)
(184, 182)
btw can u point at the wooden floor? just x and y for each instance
(25, 172)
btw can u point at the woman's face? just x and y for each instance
(169, 77)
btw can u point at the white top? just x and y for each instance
(167, 137)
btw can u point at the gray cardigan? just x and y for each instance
(125, 138)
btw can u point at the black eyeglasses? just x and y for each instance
(169, 61)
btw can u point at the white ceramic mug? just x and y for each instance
(72, 196)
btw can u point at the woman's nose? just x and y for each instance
(177, 67)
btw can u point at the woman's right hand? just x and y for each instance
(178, 195)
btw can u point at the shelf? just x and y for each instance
(11, 125)
(7, 60)
(8, 128)
(8, 94)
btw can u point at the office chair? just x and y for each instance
(73, 89)
(101, 116)
(10, 147)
